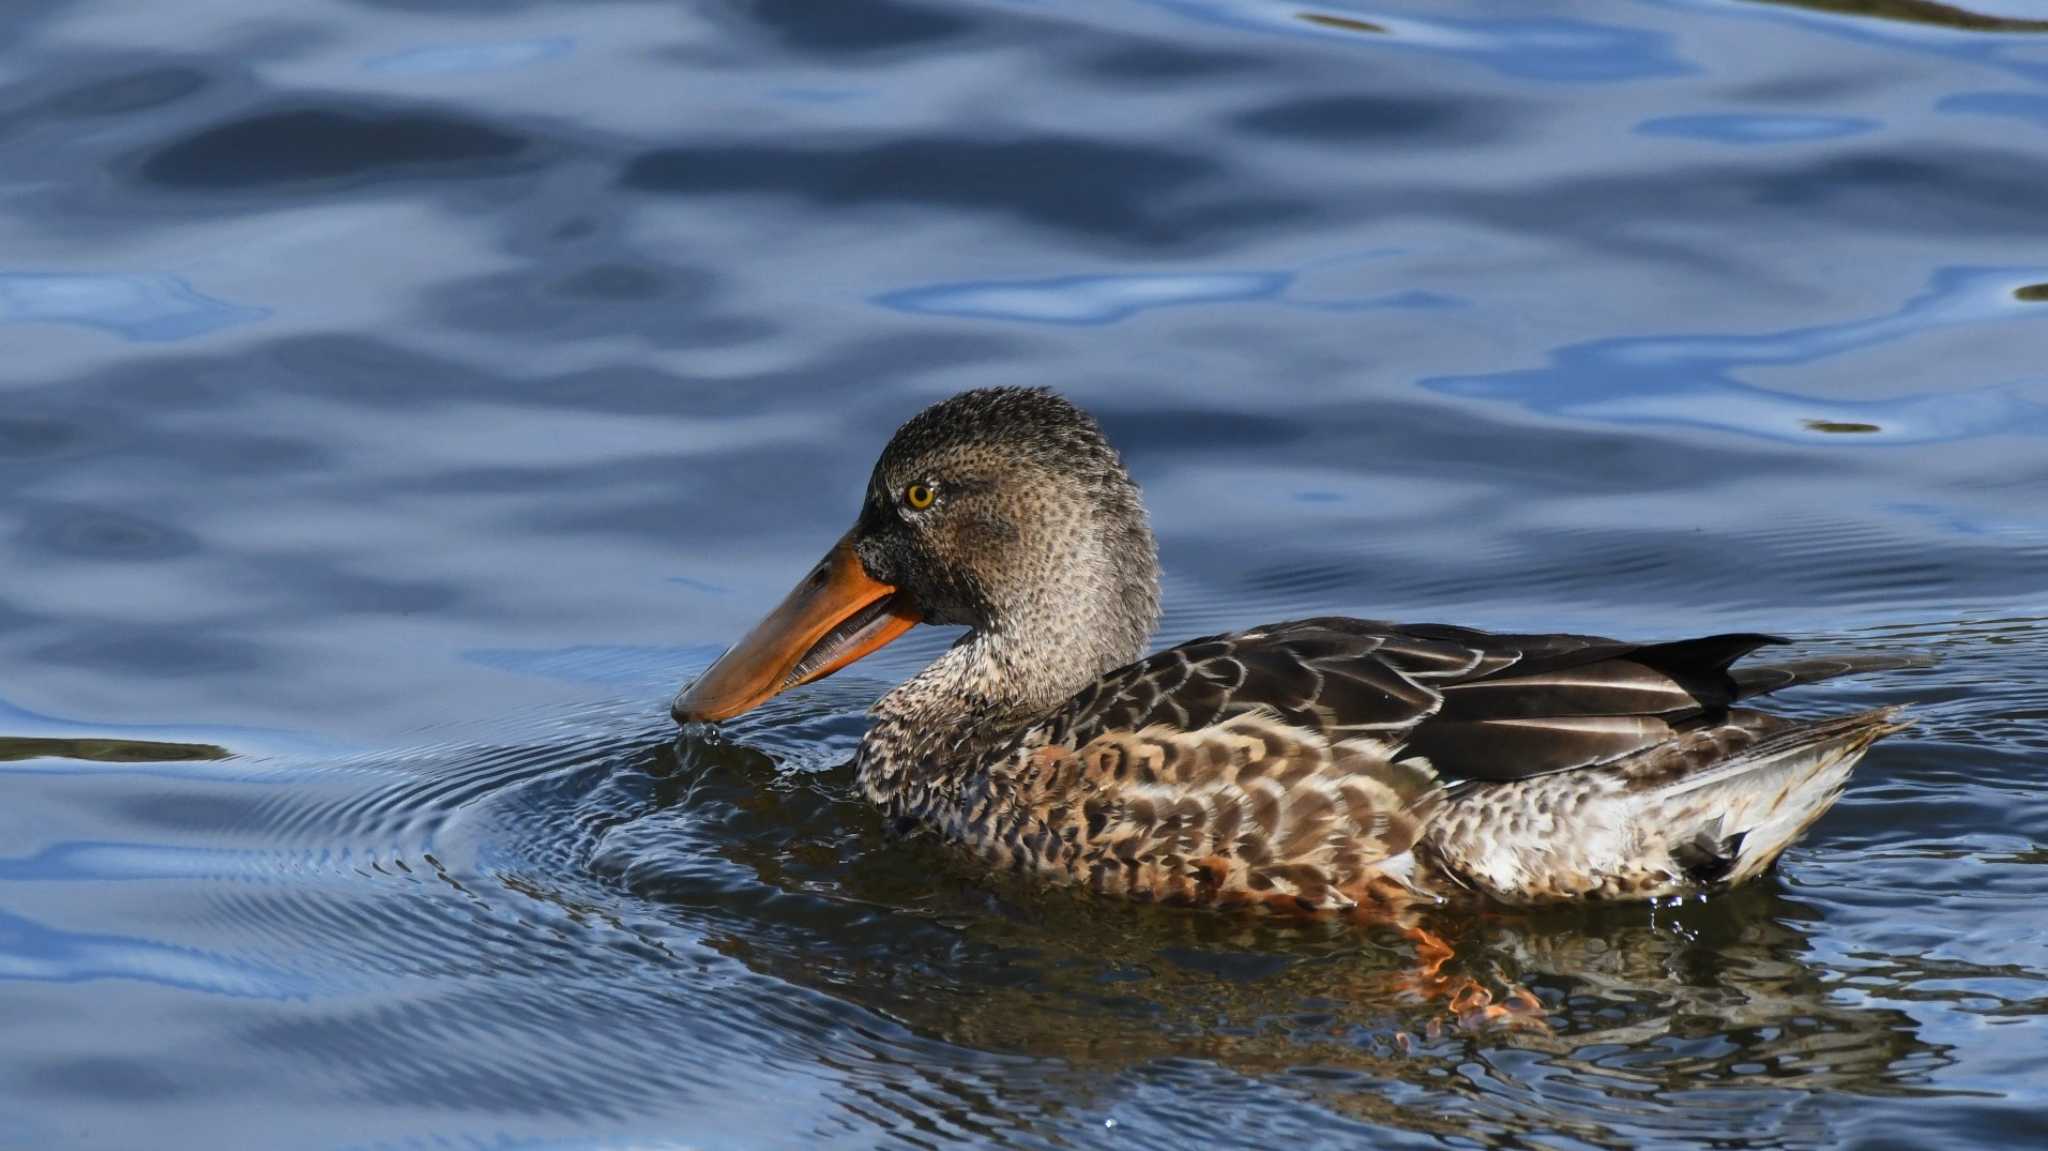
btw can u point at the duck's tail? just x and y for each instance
(1729, 823)
(1713, 809)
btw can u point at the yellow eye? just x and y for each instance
(918, 497)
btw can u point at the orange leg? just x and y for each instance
(1470, 1002)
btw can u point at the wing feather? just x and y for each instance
(1438, 692)
(1297, 764)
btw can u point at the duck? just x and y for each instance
(1311, 766)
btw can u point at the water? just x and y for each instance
(401, 398)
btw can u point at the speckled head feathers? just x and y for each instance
(1035, 425)
(1034, 531)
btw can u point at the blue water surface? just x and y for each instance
(401, 397)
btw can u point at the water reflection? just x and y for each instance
(2028, 106)
(332, 146)
(1692, 380)
(1140, 194)
(1649, 1010)
(1084, 299)
(1096, 300)
(454, 377)
(596, 663)
(1343, 23)
(1547, 50)
(1971, 36)
(1917, 12)
(1756, 129)
(537, 925)
(482, 56)
(106, 750)
(144, 308)
(36, 952)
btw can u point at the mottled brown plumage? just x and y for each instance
(1316, 765)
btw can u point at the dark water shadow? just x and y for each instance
(1926, 12)
(1650, 1011)
(333, 147)
(107, 750)
(1141, 194)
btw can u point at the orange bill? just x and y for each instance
(835, 616)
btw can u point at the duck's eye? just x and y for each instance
(918, 497)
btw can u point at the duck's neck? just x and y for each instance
(936, 733)
(1053, 609)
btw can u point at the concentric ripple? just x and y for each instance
(698, 922)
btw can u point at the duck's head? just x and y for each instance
(1002, 509)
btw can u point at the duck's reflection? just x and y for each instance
(1679, 1012)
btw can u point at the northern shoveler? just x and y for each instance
(1315, 765)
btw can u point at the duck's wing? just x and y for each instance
(1297, 764)
(1473, 705)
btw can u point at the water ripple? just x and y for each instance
(1689, 380)
(144, 308)
(33, 951)
(480, 56)
(1734, 128)
(374, 367)
(1096, 300)
(1550, 51)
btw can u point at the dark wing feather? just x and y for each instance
(1476, 705)
(1765, 678)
